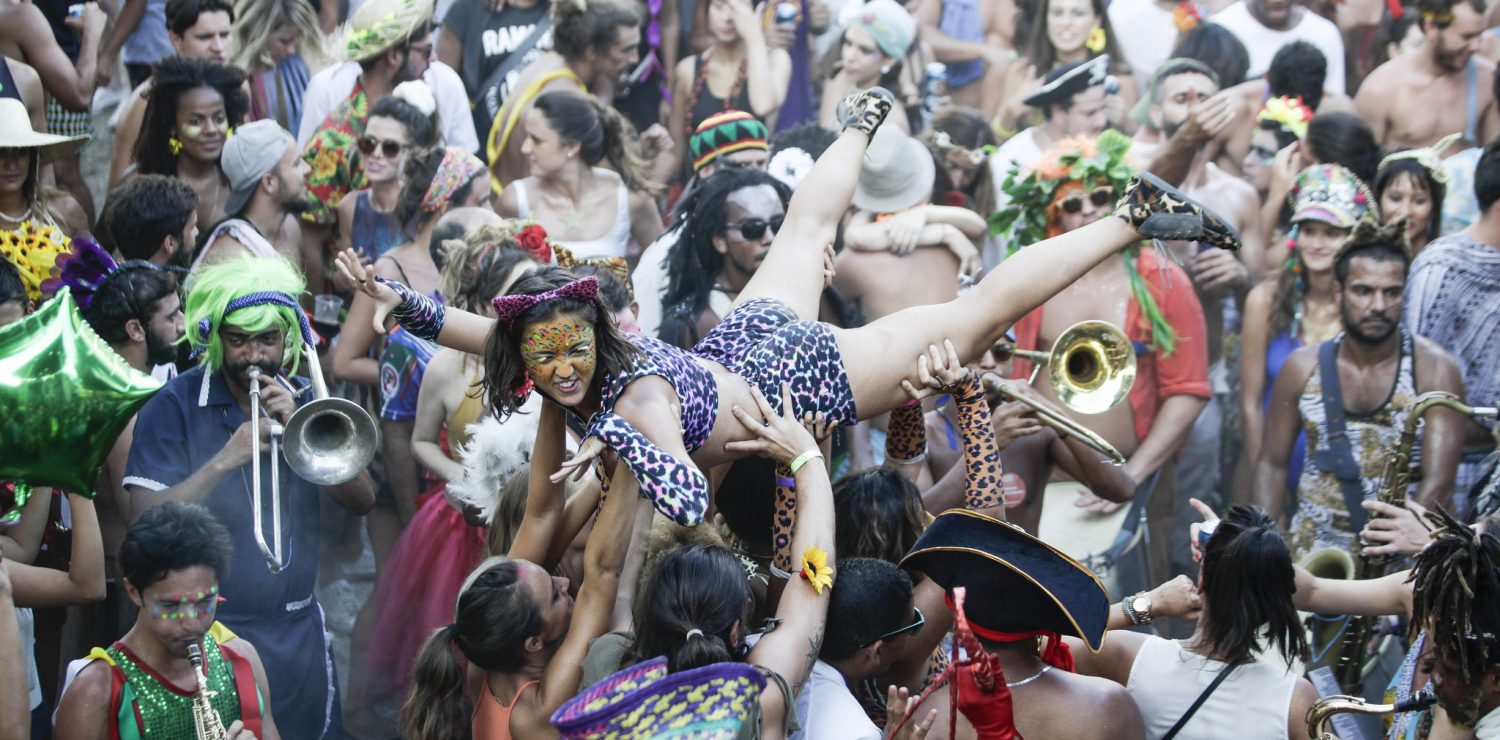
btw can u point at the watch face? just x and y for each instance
(1141, 604)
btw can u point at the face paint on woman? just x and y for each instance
(560, 358)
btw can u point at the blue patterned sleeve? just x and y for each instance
(419, 314)
(677, 489)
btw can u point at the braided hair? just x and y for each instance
(1456, 584)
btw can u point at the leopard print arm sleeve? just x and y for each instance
(906, 435)
(983, 488)
(417, 313)
(676, 488)
(786, 515)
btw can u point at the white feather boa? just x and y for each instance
(495, 451)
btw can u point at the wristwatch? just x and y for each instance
(1138, 609)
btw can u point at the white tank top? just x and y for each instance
(612, 244)
(1253, 702)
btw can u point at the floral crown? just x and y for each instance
(1079, 159)
(1288, 112)
(1332, 194)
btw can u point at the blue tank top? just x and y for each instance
(1278, 349)
(373, 233)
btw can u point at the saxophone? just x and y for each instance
(205, 718)
(1396, 477)
(1321, 715)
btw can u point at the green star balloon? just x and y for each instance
(65, 395)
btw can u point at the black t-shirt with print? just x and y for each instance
(489, 37)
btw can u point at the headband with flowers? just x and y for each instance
(1290, 113)
(457, 169)
(1033, 214)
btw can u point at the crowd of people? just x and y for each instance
(755, 368)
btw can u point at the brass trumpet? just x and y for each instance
(1322, 712)
(1090, 367)
(327, 442)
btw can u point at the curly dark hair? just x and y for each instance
(1456, 596)
(170, 79)
(504, 371)
(693, 262)
(170, 537)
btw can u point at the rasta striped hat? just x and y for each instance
(726, 133)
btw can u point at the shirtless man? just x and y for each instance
(593, 50)
(198, 29)
(1442, 88)
(903, 251)
(1165, 325)
(978, 62)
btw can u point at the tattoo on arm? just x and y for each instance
(814, 647)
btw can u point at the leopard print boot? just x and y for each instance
(1159, 211)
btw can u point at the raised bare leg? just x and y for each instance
(879, 355)
(792, 271)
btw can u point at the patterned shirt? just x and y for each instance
(1322, 519)
(336, 166)
(1453, 298)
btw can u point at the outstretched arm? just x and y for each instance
(423, 317)
(603, 559)
(544, 498)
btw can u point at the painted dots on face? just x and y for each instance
(189, 606)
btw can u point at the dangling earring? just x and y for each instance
(174, 145)
(229, 133)
(1096, 41)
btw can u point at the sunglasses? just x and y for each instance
(910, 629)
(755, 228)
(390, 148)
(1263, 154)
(1100, 197)
(1003, 352)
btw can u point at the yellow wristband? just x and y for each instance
(803, 458)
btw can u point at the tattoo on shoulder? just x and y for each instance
(814, 647)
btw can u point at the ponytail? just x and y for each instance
(622, 148)
(600, 132)
(494, 617)
(697, 649)
(1248, 582)
(690, 608)
(439, 707)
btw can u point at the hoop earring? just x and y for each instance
(174, 145)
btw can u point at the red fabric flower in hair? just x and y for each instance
(533, 239)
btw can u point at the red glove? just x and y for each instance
(991, 713)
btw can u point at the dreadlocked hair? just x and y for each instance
(1456, 586)
(695, 263)
(475, 269)
(1248, 582)
(505, 372)
(171, 78)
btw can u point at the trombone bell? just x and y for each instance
(1091, 366)
(328, 441)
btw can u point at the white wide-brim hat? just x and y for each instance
(16, 132)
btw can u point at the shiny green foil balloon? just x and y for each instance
(65, 395)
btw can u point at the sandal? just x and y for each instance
(865, 109)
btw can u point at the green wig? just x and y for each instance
(253, 294)
(1033, 213)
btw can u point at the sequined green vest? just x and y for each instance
(164, 711)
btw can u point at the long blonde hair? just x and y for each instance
(256, 20)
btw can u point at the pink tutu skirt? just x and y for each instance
(417, 591)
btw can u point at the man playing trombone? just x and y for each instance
(193, 443)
